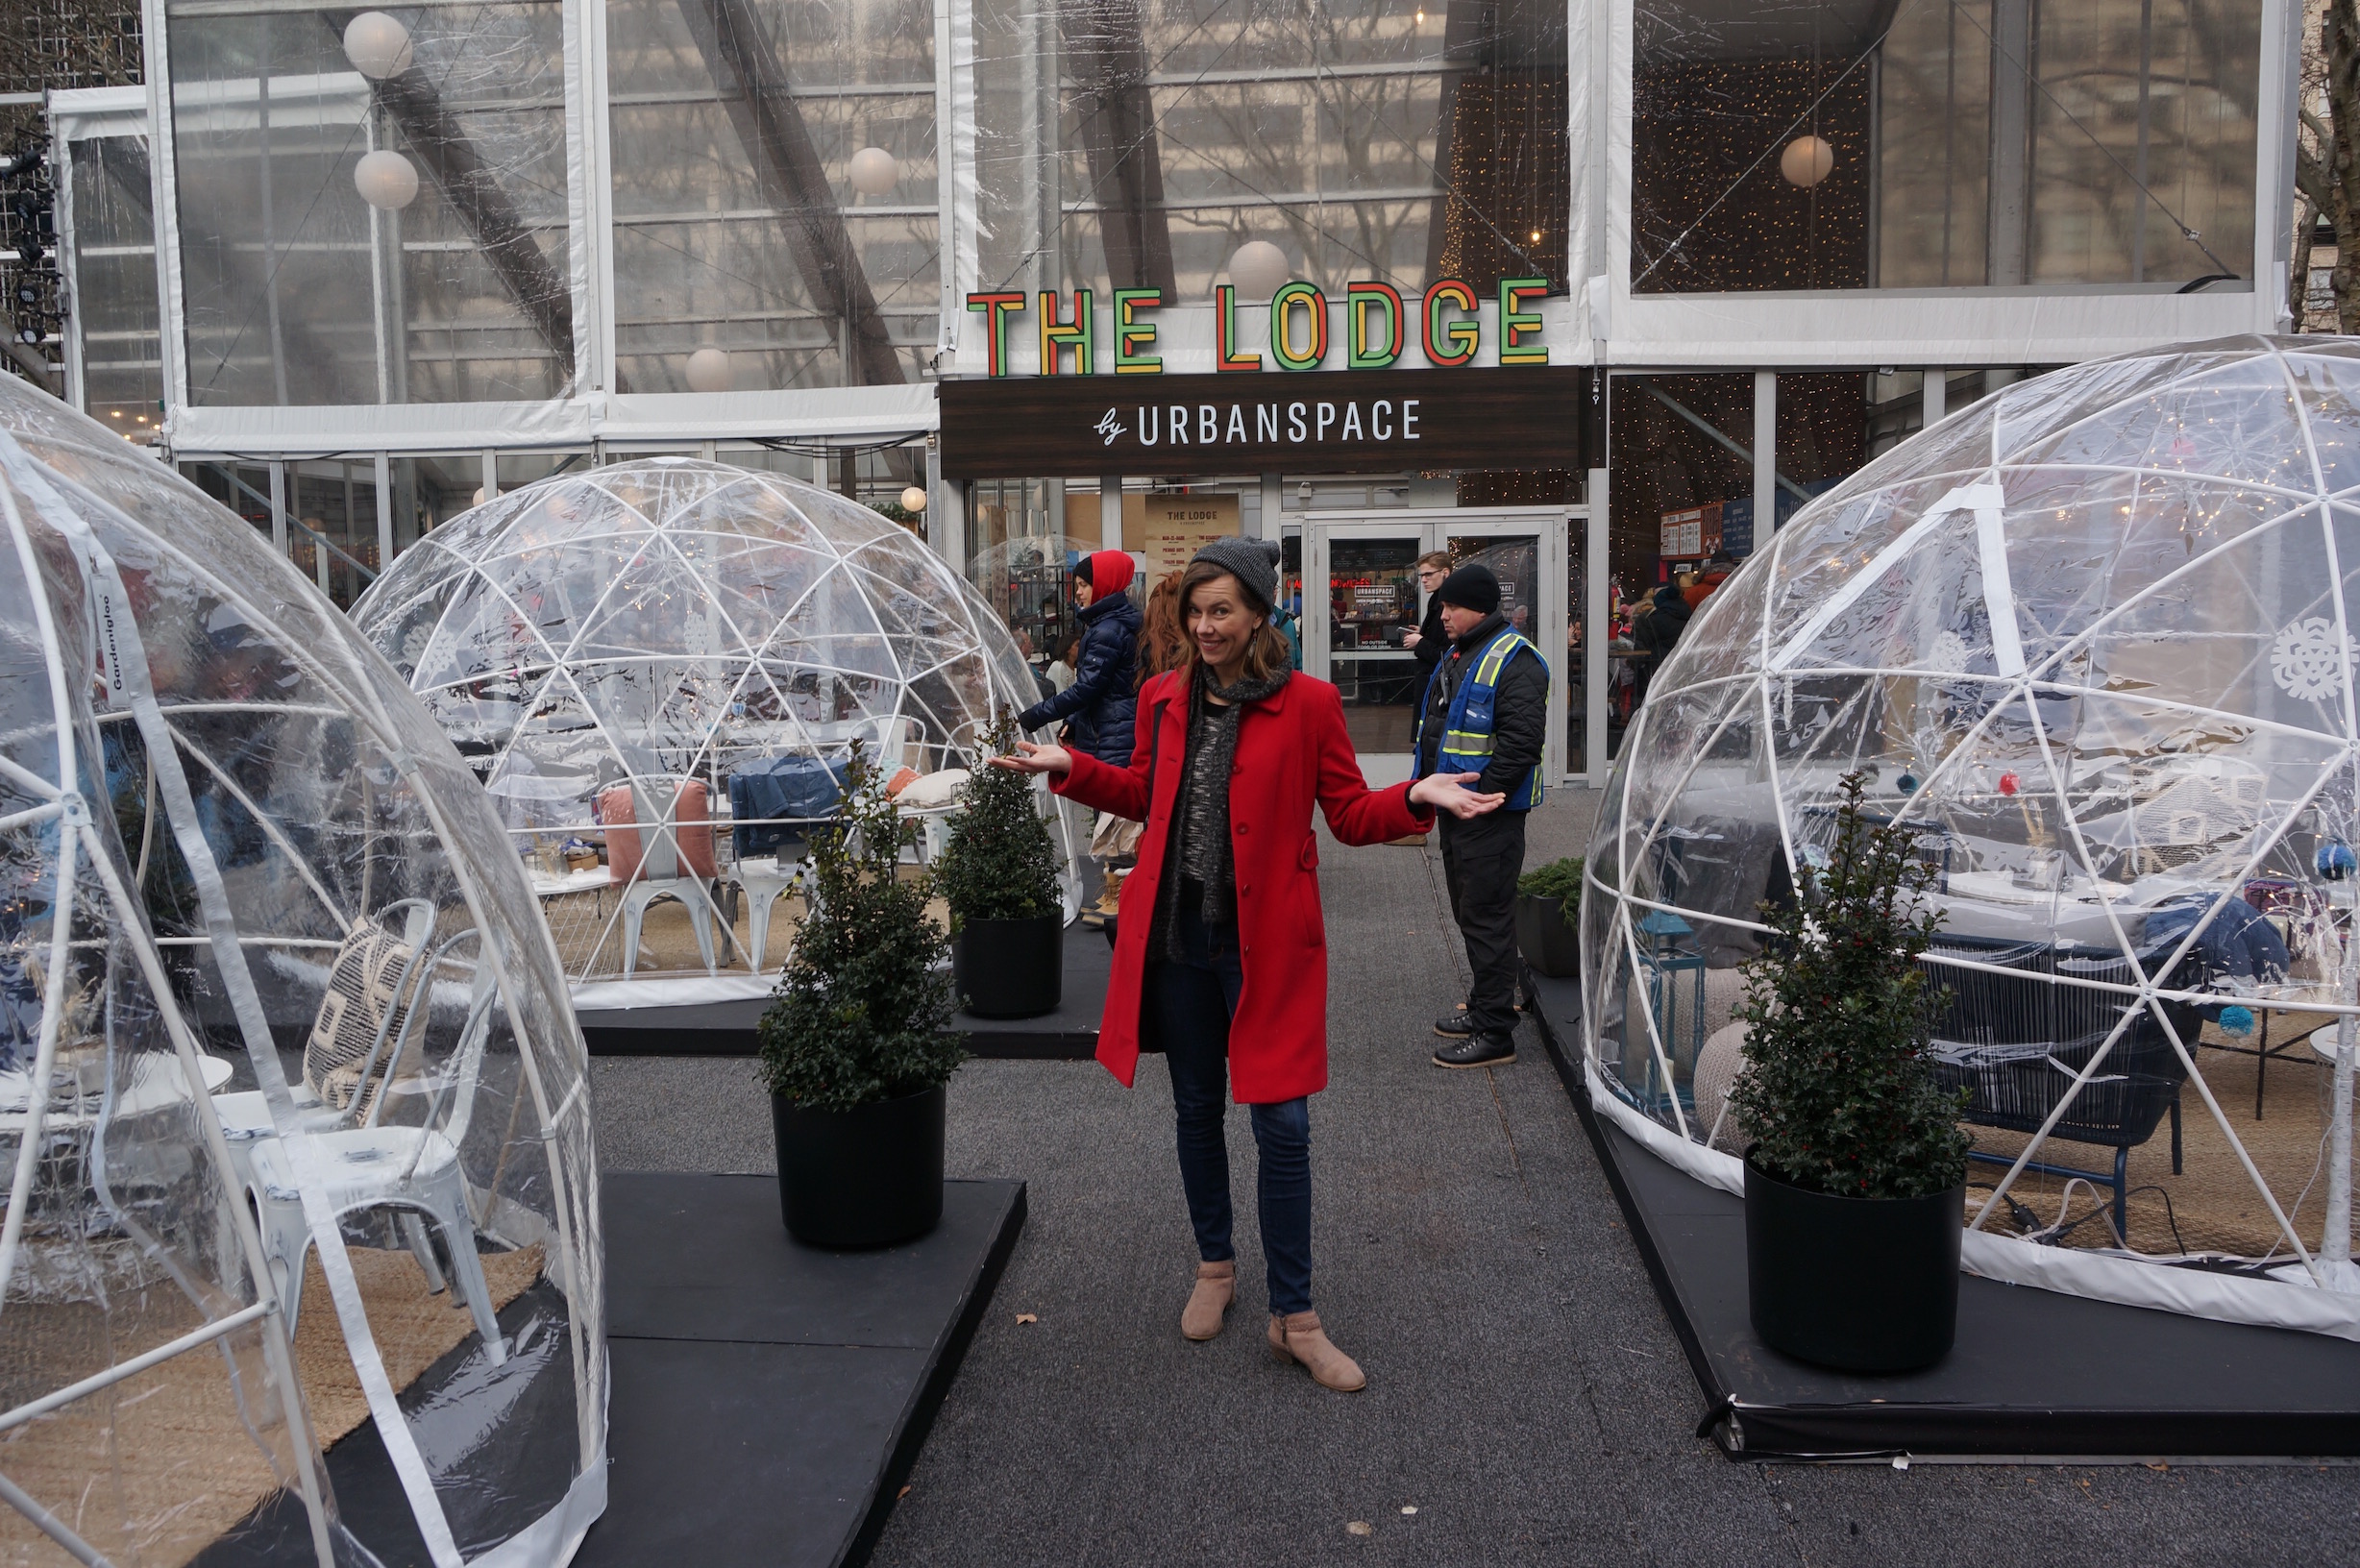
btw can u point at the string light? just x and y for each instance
(1696, 127)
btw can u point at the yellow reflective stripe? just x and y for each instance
(1488, 672)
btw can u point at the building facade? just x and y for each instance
(1593, 289)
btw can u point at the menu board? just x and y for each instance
(1177, 527)
(1691, 534)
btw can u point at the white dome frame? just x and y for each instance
(70, 499)
(1967, 583)
(679, 519)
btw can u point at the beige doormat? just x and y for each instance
(154, 1469)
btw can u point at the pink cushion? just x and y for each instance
(623, 849)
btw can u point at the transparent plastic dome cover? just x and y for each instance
(292, 1100)
(2091, 643)
(650, 631)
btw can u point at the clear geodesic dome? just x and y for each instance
(300, 1258)
(2091, 640)
(619, 652)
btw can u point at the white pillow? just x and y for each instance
(934, 790)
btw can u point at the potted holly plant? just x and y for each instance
(1548, 913)
(855, 1048)
(998, 875)
(1856, 1167)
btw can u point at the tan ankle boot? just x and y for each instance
(1298, 1337)
(1216, 1287)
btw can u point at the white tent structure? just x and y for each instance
(2092, 640)
(616, 645)
(228, 834)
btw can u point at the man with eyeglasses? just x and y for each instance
(1429, 642)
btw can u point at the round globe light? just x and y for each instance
(874, 171)
(1259, 269)
(710, 371)
(377, 45)
(913, 500)
(478, 500)
(1806, 160)
(386, 181)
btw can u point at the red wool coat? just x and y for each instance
(1291, 751)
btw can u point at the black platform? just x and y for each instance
(768, 1398)
(2035, 1374)
(1071, 1033)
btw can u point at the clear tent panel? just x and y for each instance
(357, 238)
(2088, 643)
(1942, 143)
(115, 302)
(753, 215)
(1120, 145)
(290, 1089)
(674, 659)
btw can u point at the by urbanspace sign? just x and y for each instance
(1348, 421)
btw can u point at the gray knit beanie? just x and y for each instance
(1253, 562)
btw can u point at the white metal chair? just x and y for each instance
(765, 880)
(412, 1170)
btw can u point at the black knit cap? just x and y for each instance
(1254, 563)
(1472, 587)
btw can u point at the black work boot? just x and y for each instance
(1454, 1025)
(1489, 1049)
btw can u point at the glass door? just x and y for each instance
(1367, 570)
(1528, 554)
(1360, 599)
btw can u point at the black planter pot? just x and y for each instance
(864, 1178)
(1010, 968)
(1860, 1284)
(1550, 946)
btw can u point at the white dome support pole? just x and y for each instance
(2336, 1271)
(2337, 1245)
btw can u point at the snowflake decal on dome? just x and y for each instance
(1948, 653)
(2306, 660)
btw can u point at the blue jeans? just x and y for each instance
(1193, 1001)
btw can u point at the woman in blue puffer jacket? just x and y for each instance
(1099, 705)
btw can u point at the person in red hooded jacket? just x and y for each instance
(1220, 954)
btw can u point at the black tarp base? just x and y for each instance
(769, 1398)
(2034, 1374)
(1071, 1033)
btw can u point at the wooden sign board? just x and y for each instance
(1175, 527)
(1324, 422)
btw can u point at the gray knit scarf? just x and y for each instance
(1200, 849)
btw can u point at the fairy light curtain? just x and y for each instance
(1942, 143)
(2092, 640)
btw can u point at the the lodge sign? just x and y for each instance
(1198, 426)
(1378, 324)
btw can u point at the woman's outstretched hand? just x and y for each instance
(1455, 793)
(1037, 759)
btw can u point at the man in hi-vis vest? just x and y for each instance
(1485, 711)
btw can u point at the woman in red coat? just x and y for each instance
(1220, 956)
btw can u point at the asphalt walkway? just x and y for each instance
(1527, 1400)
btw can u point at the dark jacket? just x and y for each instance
(1432, 639)
(1100, 702)
(1519, 714)
(1658, 628)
